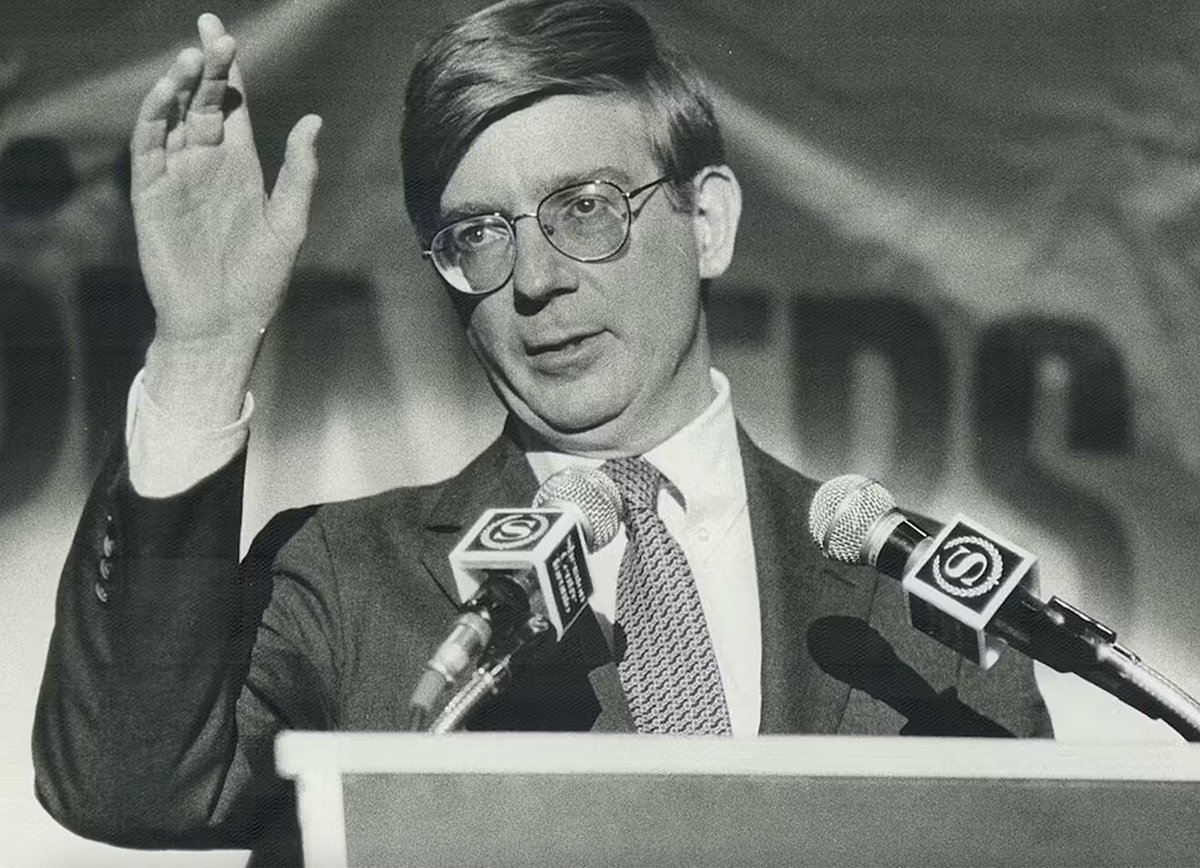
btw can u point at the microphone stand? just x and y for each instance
(1077, 643)
(1175, 707)
(489, 680)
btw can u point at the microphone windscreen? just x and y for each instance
(843, 512)
(593, 494)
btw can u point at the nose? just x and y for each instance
(540, 271)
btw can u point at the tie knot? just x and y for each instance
(637, 479)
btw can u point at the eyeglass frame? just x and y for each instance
(511, 223)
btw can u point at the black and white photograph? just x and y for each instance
(599, 432)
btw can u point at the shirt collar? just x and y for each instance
(701, 461)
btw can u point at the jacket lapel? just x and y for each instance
(499, 476)
(615, 713)
(796, 585)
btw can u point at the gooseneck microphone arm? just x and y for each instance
(1062, 637)
(487, 681)
(502, 601)
(1136, 679)
(854, 520)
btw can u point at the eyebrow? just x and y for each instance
(475, 208)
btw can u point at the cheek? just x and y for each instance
(670, 251)
(487, 328)
(669, 284)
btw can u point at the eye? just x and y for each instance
(472, 237)
(584, 205)
(589, 205)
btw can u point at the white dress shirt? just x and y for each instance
(703, 505)
(166, 458)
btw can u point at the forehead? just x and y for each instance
(557, 141)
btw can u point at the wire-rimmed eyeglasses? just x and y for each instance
(587, 222)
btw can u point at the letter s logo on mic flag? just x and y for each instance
(514, 531)
(967, 574)
(972, 568)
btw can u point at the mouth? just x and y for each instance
(561, 352)
(542, 348)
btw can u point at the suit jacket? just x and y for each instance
(171, 666)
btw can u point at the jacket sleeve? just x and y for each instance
(171, 667)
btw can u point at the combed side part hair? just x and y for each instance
(514, 54)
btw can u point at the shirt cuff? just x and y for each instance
(167, 458)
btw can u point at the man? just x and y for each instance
(566, 176)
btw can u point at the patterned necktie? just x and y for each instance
(669, 670)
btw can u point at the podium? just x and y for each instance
(614, 799)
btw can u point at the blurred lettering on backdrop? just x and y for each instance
(967, 266)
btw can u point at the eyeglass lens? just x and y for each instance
(587, 222)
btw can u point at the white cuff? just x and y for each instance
(167, 458)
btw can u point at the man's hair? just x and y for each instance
(511, 55)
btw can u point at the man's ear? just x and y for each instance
(718, 207)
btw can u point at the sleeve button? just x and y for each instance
(108, 546)
(101, 593)
(105, 569)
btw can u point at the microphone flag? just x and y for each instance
(540, 548)
(966, 573)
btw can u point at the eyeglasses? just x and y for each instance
(587, 222)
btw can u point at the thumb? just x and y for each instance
(287, 208)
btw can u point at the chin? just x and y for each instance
(575, 404)
(574, 420)
(574, 416)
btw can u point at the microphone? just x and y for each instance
(966, 586)
(529, 571)
(854, 653)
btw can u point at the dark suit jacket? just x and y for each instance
(171, 667)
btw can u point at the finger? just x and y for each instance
(156, 128)
(150, 130)
(218, 59)
(160, 107)
(219, 50)
(210, 26)
(185, 76)
(205, 115)
(237, 128)
(212, 32)
(148, 143)
(287, 209)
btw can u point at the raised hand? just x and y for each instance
(215, 250)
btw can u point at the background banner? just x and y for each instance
(968, 267)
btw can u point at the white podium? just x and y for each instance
(612, 800)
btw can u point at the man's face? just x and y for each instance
(604, 357)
